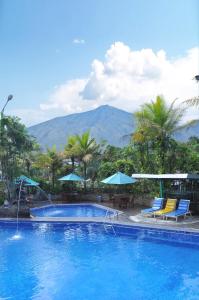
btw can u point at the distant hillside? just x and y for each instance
(184, 134)
(105, 123)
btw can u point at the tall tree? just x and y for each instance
(71, 150)
(195, 100)
(156, 124)
(15, 143)
(87, 148)
(50, 162)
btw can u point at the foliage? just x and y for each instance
(156, 123)
(72, 150)
(50, 162)
(87, 150)
(153, 149)
(15, 144)
(193, 101)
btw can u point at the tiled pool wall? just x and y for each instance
(137, 232)
(171, 235)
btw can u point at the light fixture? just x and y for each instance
(10, 97)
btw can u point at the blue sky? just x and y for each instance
(38, 53)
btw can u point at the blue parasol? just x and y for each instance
(27, 181)
(71, 177)
(119, 178)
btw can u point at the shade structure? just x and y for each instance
(71, 177)
(119, 178)
(167, 176)
(162, 177)
(26, 181)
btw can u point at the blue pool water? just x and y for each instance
(71, 210)
(86, 262)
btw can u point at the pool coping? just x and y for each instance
(99, 221)
(116, 211)
(109, 219)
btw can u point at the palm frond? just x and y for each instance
(193, 101)
(187, 125)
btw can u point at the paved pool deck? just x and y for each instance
(132, 216)
(129, 216)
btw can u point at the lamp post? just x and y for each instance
(8, 99)
(2, 130)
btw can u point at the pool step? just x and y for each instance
(109, 228)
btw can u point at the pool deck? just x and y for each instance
(189, 224)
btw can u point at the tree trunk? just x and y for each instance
(162, 154)
(7, 186)
(28, 164)
(53, 179)
(85, 167)
(73, 163)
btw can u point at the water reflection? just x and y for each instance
(16, 237)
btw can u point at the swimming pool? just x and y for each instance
(76, 261)
(73, 210)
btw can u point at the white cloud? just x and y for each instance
(31, 116)
(78, 41)
(67, 98)
(126, 79)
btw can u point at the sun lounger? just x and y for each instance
(170, 206)
(182, 210)
(157, 205)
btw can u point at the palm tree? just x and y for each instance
(156, 123)
(87, 148)
(194, 101)
(71, 150)
(51, 162)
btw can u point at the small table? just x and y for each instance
(124, 202)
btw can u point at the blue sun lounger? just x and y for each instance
(182, 210)
(157, 205)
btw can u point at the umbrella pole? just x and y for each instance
(161, 189)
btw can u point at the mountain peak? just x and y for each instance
(104, 107)
(104, 122)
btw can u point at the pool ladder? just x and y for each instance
(108, 227)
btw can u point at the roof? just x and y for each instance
(166, 176)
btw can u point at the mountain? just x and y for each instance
(184, 134)
(105, 123)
